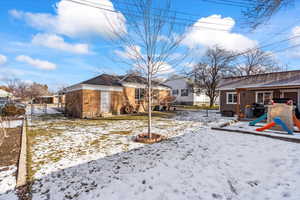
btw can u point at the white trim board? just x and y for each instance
(138, 85)
(94, 87)
(272, 92)
(227, 93)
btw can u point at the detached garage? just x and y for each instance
(110, 94)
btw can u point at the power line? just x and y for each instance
(238, 54)
(291, 47)
(267, 45)
(281, 31)
(139, 16)
(228, 3)
(181, 19)
(170, 10)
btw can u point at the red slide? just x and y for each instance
(269, 125)
(296, 121)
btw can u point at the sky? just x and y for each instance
(59, 43)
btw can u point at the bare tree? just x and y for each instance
(260, 11)
(207, 74)
(35, 90)
(17, 87)
(256, 62)
(150, 44)
(25, 90)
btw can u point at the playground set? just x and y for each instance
(280, 117)
(279, 122)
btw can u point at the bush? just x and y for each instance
(11, 110)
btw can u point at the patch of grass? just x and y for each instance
(202, 107)
(140, 116)
(50, 132)
(32, 134)
(75, 123)
(30, 171)
(97, 142)
(46, 117)
(120, 132)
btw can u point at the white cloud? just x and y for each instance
(3, 59)
(295, 52)
(40, 64)
(56, 42)
(208, 36)
(133, 52)
(164, 68)
(129, 52)
(76, 20)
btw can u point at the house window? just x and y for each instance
(184, 92)
(264, 97)
(175, 92)
(231, 97)
(139, 93)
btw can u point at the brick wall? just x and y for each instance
(117, 102)
(87, 103)
(74, 103)
(91, 103)
(129, 96)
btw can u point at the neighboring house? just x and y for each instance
(51, 99)
(185, 93)
(110, 94)
(238, 92)
(5, 95)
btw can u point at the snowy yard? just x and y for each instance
(96, 159)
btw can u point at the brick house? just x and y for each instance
(110, 94)
(238, 92)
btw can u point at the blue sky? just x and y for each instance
(40, 43)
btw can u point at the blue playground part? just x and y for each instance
(263, 117)
(279, 122)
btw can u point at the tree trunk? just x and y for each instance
(149, 98)
(149, 105)
(211, 102)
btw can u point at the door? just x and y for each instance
(105, 102)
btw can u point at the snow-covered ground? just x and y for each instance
(98, 160)
(73, 142)
(11, 123)
(8, 182)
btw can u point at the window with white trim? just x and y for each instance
(175, 92)
(264, 97)
(184, 92)
(231, 97)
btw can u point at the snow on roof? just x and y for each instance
(4, 93)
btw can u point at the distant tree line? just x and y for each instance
(26, 91)
(218, 63)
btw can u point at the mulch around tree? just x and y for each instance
(143, 138)
(10, 149)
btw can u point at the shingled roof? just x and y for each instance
(114, 80)
(104, 79)
(267, 80)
